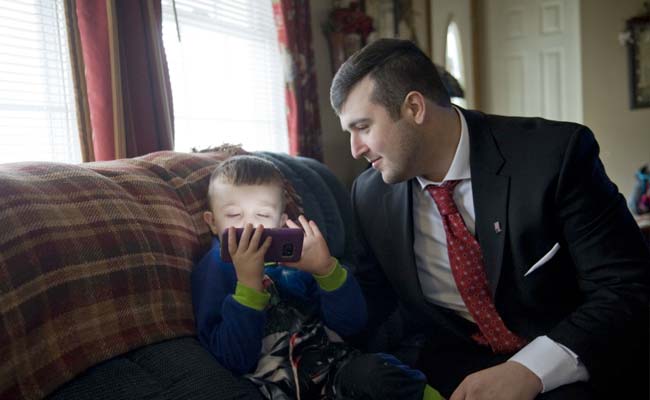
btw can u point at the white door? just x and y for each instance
(533, 58)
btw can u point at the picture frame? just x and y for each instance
(382, 13)
(403, 19)
(638, 29)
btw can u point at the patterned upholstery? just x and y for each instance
(95, 261)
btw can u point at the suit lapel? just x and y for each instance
(399, 255)
(399, 241)
(490, 191)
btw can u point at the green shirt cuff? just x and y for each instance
(431, 394)
(250, 297)
(334, 280)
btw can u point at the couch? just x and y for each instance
(95, 263)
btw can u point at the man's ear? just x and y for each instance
(283, 219)
(208, 217)
(414, 107)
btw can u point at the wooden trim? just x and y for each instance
(159, 71)
(475, 12)
(119, 132)
(429, 21)
(78, 68)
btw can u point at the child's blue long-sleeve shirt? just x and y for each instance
(233, 332)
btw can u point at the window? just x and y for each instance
(454, 59)
(226, 74)
(37, 107)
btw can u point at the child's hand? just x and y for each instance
(248, 255)
(315, 258)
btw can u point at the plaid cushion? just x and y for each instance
(95, 261)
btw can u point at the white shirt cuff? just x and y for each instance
(553, 363)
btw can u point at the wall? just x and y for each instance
(442, 13)
(623, 134)
(336, 146)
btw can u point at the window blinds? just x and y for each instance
(37, 107)
(226, 74)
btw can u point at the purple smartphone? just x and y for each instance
(286, 244)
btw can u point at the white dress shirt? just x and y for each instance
(553, 363)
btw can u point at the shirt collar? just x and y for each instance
(459, 168)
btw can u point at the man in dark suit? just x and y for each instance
(499, 240)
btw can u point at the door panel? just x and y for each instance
(532, 58)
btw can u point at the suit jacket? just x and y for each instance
(545, 185)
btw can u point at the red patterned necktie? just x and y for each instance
(468, 269)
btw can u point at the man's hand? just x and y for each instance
(507, 381)
(316, 258)
(248, 255)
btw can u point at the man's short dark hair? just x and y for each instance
(396, 67)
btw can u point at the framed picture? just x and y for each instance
(382, 13)
(404, 19)
(639, 61)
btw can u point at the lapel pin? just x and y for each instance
(497, 227)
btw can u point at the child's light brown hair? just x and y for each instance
(247, 170)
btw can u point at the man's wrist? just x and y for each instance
(530, 377)
(553, 364)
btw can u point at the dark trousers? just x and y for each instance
(447, 365)
(446, 360)
(378, 376)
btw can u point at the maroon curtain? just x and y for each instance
(126, 77)
(294, 34)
